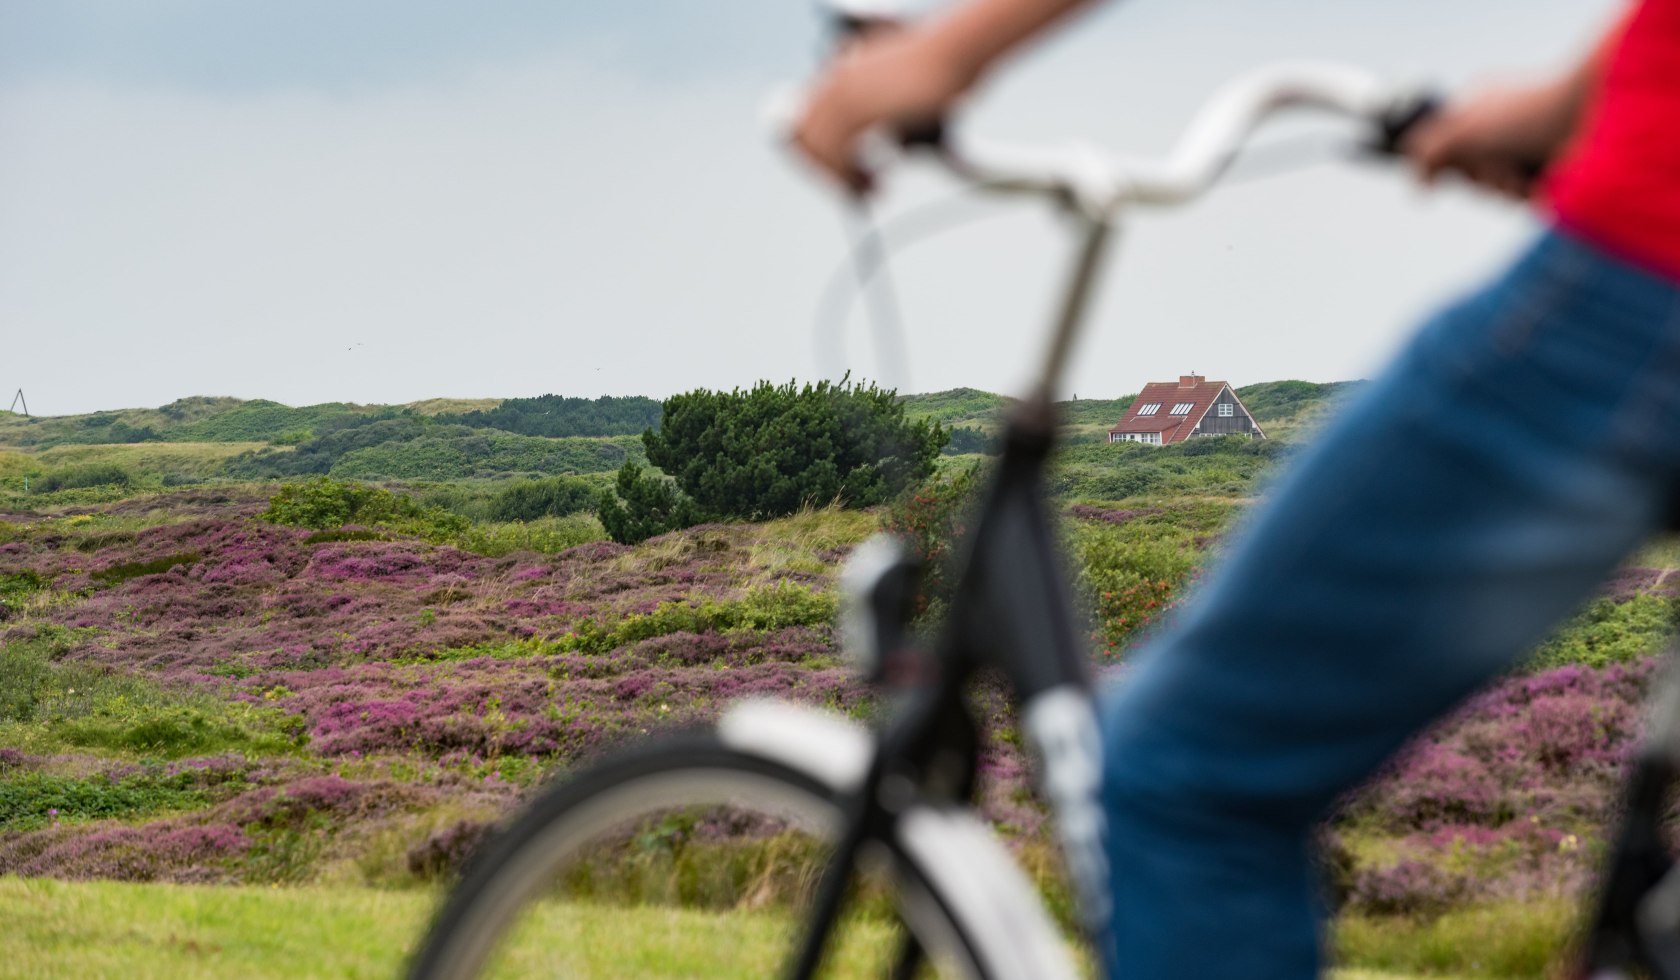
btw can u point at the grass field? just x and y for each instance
(58, 928)
(195, 459)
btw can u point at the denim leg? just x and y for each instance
(1460, 506)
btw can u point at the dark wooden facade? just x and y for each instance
(1238, 423)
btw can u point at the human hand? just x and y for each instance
(1499, 139)
(899, 78)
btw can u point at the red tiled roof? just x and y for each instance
(1193, 390)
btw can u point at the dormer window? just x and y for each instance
(1182, 408)
(1150, 409)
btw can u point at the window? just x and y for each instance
(1182, 408)
(1150, 409)
(1226, 410)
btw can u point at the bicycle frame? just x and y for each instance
(1012, 611)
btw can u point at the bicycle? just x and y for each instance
(888, 811)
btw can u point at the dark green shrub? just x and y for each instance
(555, 416)
(644, 505)
(964, 439)
(529, 500)
(768, 451)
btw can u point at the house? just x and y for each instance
(1165, 412)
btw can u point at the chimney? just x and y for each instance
(1189, 380)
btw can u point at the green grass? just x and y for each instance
(57, 928)
(1509, 940)
(546, 535)
(108, 929)
(452, 406)
(51, 705)
(200, 460)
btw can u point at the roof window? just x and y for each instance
(1182, 408)
(1150, 409)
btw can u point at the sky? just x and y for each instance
(394, 200)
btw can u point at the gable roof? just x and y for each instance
(1191, 389)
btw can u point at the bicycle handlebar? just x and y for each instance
(1100, 183)
(1210, 143)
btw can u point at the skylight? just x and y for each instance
(1183, 408)
(1150, 409)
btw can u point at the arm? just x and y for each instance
(914, 74)
(1494, 139)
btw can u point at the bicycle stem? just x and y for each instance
(1076, 301)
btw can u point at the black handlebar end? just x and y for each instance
(1398, 122)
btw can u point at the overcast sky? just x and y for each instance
(390, 200)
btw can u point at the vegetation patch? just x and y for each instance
(779, 606)
(118, 574)
(15, 587)
(1609, 632)
(78, 477)
(555, 416)
(30, 800)
(49, 703)
(346, 534)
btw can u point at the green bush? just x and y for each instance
(327, 504)
(529, 500)
(933, 518)
(770, 450)
(965, 440)
(644, 505)
(324, 503)
(554, 415)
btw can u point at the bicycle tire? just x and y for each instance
(515, 866)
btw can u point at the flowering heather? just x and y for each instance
(1547, 746)
(382, 648)
(1629, 582)
(422, 674)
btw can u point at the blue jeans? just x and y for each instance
(1461, 505)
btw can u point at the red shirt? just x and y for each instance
(1618, 182)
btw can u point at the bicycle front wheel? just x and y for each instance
(688, 858)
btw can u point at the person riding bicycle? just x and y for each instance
(1524, 443)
